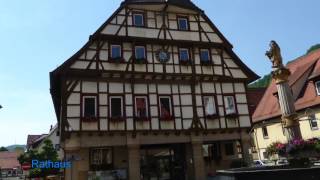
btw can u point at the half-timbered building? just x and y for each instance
(155, 93)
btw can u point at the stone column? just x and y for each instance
(286, 102)
(134, 161)
(198, 162)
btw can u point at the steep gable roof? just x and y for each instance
(303, 89)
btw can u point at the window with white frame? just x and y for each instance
(89, 107)
(165, 106)
(184, 54)
(318, 87)
(138, 19)
(115, 51)
(116, 106)
(101, 158)
(265, 132)
(140, 52)
(141, 105)
(230, 105)
(183, 23)
(313, 122)
(209, 106)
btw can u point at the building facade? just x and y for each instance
(304, 82)
(156, 93)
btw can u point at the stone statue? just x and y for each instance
(274, 54)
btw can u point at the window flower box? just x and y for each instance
(89, 119)
(212, 116)
(206, 63)
(167, 118)
(116, 60)
(116, 119)
(142, 119)
(140, 61)
(188, 62)
(233, 115)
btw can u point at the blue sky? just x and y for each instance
(38, 35)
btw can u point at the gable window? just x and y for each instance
(184, 55)
(140, 52)
(205, 56)
(115, 51)
(313, 122)
(183, 23)
(229, 149)
(209, 106)
(101, 159)
(116, 107)
(165, 107)
(138, 19)
(318, 87)
(265, 132)
(229, 105)
(89, 109)
(141, 105)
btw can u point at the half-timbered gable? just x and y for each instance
(153, 67)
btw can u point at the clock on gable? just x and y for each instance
(163, 56)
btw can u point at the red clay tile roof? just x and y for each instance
(8, 160)
(31, 139)
(304, 92)
(254, 97)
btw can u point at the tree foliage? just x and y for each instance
(46, 153)
(3, 149)
(312, 48)
(262, 82)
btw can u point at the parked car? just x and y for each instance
(282, 162)
(260, 163)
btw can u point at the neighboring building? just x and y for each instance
(9, 164)
(254, 97)
(305, 84)
(156, 93)
(38, 143)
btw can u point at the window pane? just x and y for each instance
(184, 54)
(116, 105)
(204, 55)
(101, 158)
(313, 121)
(115, 51)
(183, 24)
(165, 108)
(140, 52)
(141, 107)
(209, 105)
(265, 132)
(229, 105)
(138, 19)
(89, 107)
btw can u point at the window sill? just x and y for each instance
(116, 119)
(116, 60)
(265, 137)
(314, 128)
(89, 119)
(142, 119)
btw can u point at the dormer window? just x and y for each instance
(140, 52)
(138, 19)
(184, 55)
(205, 56)
(318, 87)
(183, 23)
(115, 51)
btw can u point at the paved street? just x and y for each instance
(10, 178)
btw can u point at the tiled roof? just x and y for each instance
(254, 97)
(8, 160)
(32, 138)
(304, 92)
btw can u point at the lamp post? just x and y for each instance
(281, 74)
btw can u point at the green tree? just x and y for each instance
(262, 82)
(47, 153)
(3, 149)
(312, 48)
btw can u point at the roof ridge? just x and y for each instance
(303, 56)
